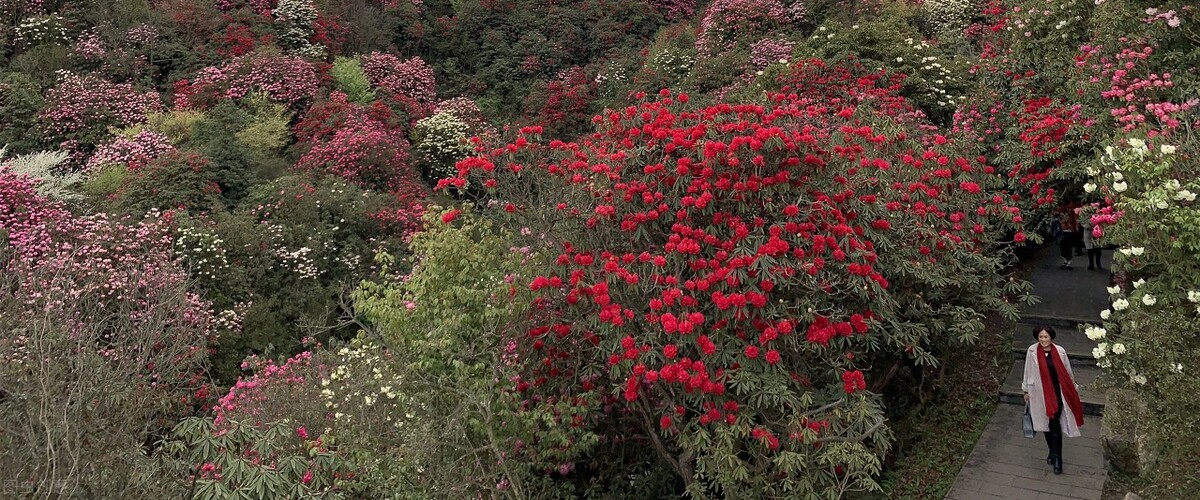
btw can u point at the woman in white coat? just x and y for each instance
(1051, 392)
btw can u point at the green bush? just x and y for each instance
(348, 77)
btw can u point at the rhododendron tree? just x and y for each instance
(726, 276)
(411, 78)
(97, 310)
(133, 152)
(364, 152)
(285, 79)
(80, 110)
(728, 23)
(674, 10)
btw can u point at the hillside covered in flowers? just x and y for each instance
(568, 249)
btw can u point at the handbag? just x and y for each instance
(1027, 423)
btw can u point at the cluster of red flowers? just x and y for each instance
(688, 235)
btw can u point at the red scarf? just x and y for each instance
(1064, 382)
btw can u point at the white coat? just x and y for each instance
(1032, 384)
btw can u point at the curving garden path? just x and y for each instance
(1005, 464)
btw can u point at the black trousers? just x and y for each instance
(1054, 436)
(1066, 244)
(1093, 255)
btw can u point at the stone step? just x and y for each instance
(1068, 297)
(1078, 346)
(1085, 375)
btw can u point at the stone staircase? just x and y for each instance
(1004, 464)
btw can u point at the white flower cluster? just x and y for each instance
(1056, 17)
(37, 30)
(443, 142)
(230, 320)
(364, 385)
(672, 62)
(294, 21)
(948, 17)
(201, 252)
(929, 68)
(612, 73)
(298, 260)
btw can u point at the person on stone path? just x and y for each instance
(1070, 232)
(1089, 243)
(1051, 392)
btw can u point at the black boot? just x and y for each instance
(1050, 458)
(1056, 450)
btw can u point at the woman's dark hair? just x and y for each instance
(1049, 329)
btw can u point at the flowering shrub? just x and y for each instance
(445, 388)
(466, 110)
(701, 258)
(1148, 338)
(111, 266)
(276, 459)
(132, 362)
(728, 23)
(674, 10)
(286, 79)
(767, 51)
(948, 18)
(89, 46)
(41, 29)
(441, 142)
(1136, 95)
(411, 78)
(363, 152)
(564, 102)
(294, 23)
(80, 110)
(133, 152)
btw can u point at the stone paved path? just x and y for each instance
(1005, 464)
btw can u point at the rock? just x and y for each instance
(1126, 446)
(1132, 496)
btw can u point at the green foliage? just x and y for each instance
(449, 326)
(242, 460)
(295, 247)
(20, 101)
(43, 167)
(177, 125)
(718, 71)
(267, 131)
(106, 181)
(348, 77)
(42, 63)
(176, 179)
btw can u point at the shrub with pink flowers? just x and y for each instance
(412, 78)
(363, 152)
(133, 151)
(769, 51)
(109, 265)
(286, 79)
(674, 10)
(728, 23)
(80, 110)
